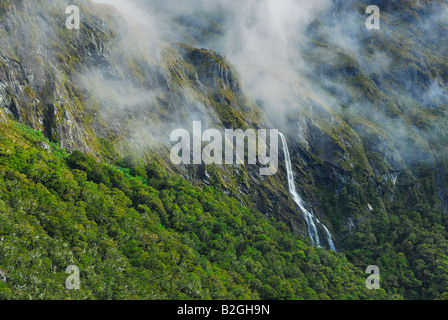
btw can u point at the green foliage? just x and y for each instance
(136, 232)
(406, 238)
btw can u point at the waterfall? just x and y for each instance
(329, 239)
(309, 217)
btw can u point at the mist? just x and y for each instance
(274, 46)
(261, 38)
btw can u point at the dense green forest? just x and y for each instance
(86, 179)
(136, 232)
(407, 238)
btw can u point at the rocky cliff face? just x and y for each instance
(364, 120)
(104, 90)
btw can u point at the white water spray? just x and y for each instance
(329, 239)
(309, 217)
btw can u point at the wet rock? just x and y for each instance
(44, 145)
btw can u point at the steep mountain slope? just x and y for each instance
(364, 113)
(152, 236)
(110, 91)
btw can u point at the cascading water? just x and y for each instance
(309, 217)
(329, 239)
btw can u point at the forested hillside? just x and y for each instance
(136, 232)
(87, 180)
